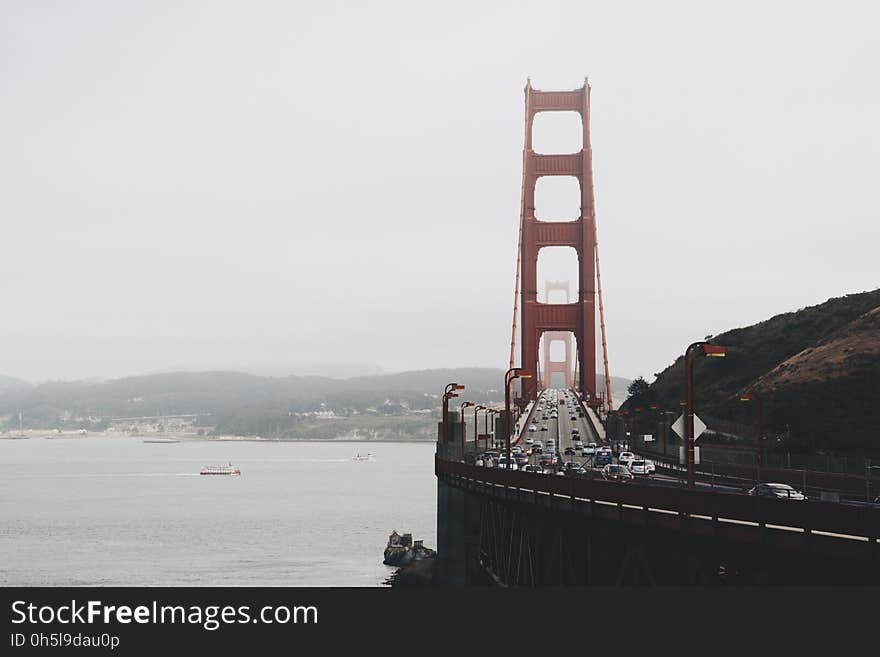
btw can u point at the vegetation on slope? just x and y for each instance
(817, 371)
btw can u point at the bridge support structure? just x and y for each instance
(564, 366)
(491, 530)
(579, 317)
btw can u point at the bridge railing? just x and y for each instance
(861, 522)
(811, 482)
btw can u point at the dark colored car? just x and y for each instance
(602, 457)
(617, 473)
(537, 449)
(569, 451)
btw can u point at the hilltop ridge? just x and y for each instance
(817, 370)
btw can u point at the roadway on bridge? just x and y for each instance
(571, 416)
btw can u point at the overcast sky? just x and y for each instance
(256, 184)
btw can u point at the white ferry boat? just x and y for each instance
(227, 469)
(361, 457)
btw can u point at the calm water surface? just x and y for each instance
(117, 511)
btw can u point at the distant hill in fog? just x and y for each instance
(10, 383)
(229, 394)
(619, 387)
(242, 402)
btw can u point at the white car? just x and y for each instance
(577, 444)
(533, 427)
(779, 491)
(641, 467)
(625, 458)
(590, 448)
(533, 468)
(530, 441)
(504, 465)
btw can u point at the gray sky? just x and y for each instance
(208, 184)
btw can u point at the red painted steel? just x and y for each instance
(578, 317)
(564, 366)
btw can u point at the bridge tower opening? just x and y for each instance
(553, 366)
(578, 316)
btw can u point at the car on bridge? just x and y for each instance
(779, 491)
(536, 448)
(625, 457)
(602, 456)
(536, 469)
(504, 464)
(641, 467)
(533, 427)
(569, 451)
(619, 473)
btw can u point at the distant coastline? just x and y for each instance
(34, 434)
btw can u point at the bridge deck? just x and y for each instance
(805, 525)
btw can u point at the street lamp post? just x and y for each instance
(477, 410)
(710, 350)
(448, 393)
(751, 396)
(488, 412)
(509, 376)
(494, 412)
(464, 406)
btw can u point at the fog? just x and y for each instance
(194, 185)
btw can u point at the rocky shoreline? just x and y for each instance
(418, 574)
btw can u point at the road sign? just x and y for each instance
(682, 457)
(648, 438)
(699, 427)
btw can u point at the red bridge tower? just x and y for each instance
(578, 317)
(563, 367)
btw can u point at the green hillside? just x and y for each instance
(817, 370)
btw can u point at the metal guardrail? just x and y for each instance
(811, 481)
(858, 522)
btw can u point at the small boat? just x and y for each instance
(360, 457)
(227, 469)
